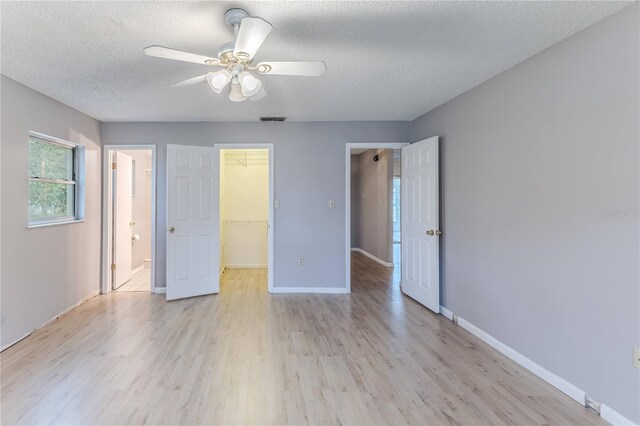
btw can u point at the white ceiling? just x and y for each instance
(386, 60)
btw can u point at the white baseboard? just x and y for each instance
(558, 382)
(253, 266)
(75, 305)
(284, 290)
(610, 415)
(322, 290)
(606, 413)
(370, 256)
(138, 269)
(447, 313)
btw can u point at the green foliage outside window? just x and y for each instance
(52, 186)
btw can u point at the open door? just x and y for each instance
(192, 221)
(420, 223)
(122, 217)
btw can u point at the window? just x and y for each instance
(55, 192)
(396, 199)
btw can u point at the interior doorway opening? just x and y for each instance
(373, 207)
(129, 219)
(245, 210)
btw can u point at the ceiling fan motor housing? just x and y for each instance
(226, 48)
(235, 16)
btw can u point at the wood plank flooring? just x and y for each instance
(140, 281)
(246, 357)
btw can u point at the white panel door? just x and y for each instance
(420, 223)
(122, 217)
(192, 221)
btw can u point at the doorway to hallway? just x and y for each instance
(373, 203)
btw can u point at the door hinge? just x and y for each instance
(114, 165)
(113, 266)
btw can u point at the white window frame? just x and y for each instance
(78, 182)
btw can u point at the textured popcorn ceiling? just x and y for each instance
(386, 60)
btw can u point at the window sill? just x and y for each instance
(43, 225)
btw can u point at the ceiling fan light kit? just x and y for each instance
(250, 85)
(218, 80)
(236, 59)
(235, 94)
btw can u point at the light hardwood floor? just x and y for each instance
(246, 357)
(140, 281)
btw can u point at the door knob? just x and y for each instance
(431, 232)
(172, 229)
(438, 233)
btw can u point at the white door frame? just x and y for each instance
(271, 226)
(347, 200)
(107, 212)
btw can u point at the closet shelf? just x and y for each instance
(247, 158)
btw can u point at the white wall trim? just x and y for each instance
(160, 290)
(49, 321)
(320, 290)
(271, 225)
(556, 381)
(447, 313)
(606, 413)
(369, 255)
(610, 415)
(105, 285)
(347, 196)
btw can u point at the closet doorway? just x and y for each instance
(246, 208)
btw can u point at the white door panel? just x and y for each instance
(192, 221)
(122, 217)
(420, 223)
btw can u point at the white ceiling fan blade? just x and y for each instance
(301, 68)
(252, 33)
(261, 94)
(179, 55)
(189, 81)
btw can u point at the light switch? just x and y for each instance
(332, 204)
(276, 203)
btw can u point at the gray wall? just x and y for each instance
(44, 270)
(540, 208)
(355, 200)
(374, 186)
(309, 171)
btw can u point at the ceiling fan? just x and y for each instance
(236, 60)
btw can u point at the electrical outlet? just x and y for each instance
(636, 357)
(332, 204)
(301, 261)
(276, 204)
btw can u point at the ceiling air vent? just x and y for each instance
(273, 118)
